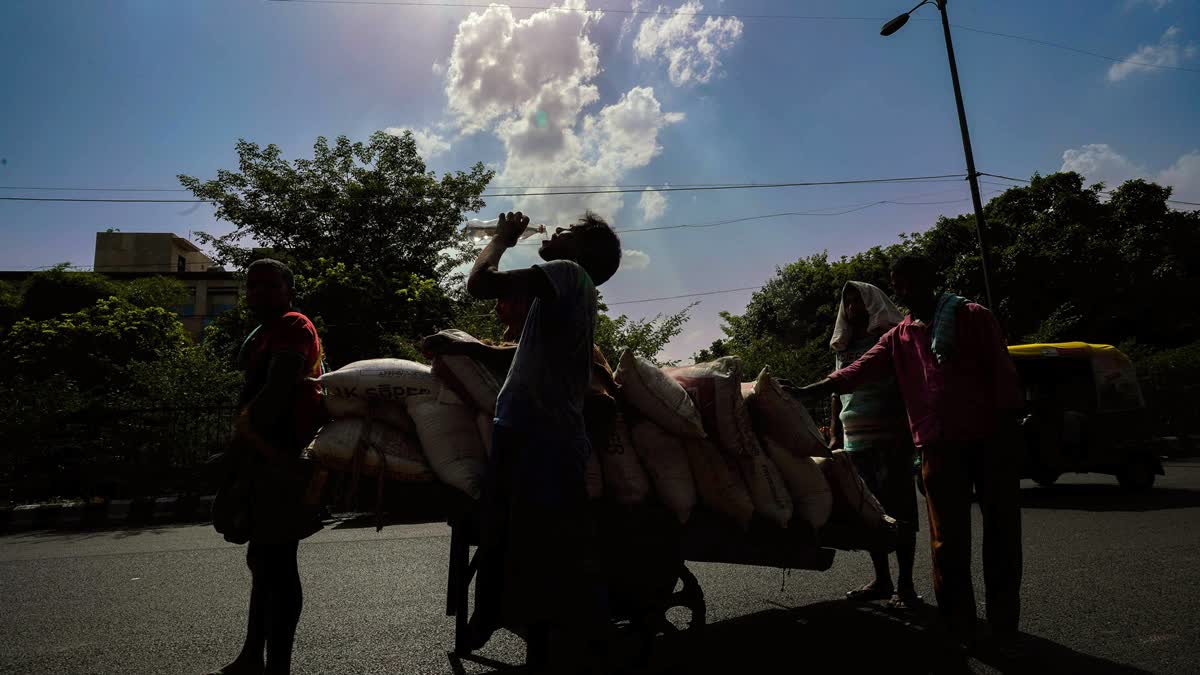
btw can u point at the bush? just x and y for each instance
(59, 291)
(1171, 386)
(111, 400)
(92, 346)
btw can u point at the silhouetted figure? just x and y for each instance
(960, 389)
(280, 413)
(870, 424)
(533, 574)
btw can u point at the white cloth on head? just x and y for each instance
(882, 311)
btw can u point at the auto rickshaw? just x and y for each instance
(1084, 412)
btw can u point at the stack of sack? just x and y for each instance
(744, 444)
(410, 421)
(682, 436)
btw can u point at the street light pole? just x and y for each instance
(972, 175)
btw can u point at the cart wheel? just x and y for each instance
(1137, 476)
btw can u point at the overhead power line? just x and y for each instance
(49, 188)
(1056, 45)
(840, 210)
(784, 17)
(1106, 192)
(88, 189)
(105, 201)
(609, 10)
(639, 186)
(744, 186)
(686, 295)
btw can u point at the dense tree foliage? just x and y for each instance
(1071, 262)
(371, 234)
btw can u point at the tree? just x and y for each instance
(155, 291)
(644, 337)
(372, 236)
(1067, 264)
(788, 322)
(60, 290)
(93, 346)
(185, 378)
(10, 304)
(223, 336)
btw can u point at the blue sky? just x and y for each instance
(130, 93)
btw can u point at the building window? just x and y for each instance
(221, 300)
(180, 264)
(188, 308)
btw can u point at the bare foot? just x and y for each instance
(905, 600)
(875, 590)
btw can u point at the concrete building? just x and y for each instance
(148, 252)
(122, 256)
(128, 255)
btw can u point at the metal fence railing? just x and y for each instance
(112, 452)
(179, 437)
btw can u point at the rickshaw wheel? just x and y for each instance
(1137, 475)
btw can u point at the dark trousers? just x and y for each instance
(950, 470)
(535, 570)
(276, 599)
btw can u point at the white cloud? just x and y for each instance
(692, 49)
(531, 82)
(1101, 164)
(595, 150)
(1184, 176)
(439, 68)
(499, 65)
(627, 23)
(632, 260)
(429, 143)
(1098, 162)
(1168, 51)
(653, 205)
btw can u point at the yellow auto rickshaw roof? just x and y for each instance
(1080, 350)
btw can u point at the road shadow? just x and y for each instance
(355, 521)
(1098, 497)
(403, 503)
(842, 636)
(86, 532)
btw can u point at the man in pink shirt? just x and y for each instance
(960, 389)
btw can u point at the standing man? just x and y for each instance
(870, 425)
(960, 388)
(533, 573)
(280, 413)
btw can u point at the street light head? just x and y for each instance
(893, 25)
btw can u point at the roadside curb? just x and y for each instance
(106, 513)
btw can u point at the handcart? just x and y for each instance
(646, 554)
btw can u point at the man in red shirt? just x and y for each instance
(960, 389)
(280, 413)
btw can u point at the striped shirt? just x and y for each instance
(873, 417)
(959, 401)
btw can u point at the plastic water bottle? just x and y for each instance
(480, 230)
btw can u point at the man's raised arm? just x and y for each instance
(487, 282)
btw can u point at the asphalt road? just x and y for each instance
(1110, 586)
